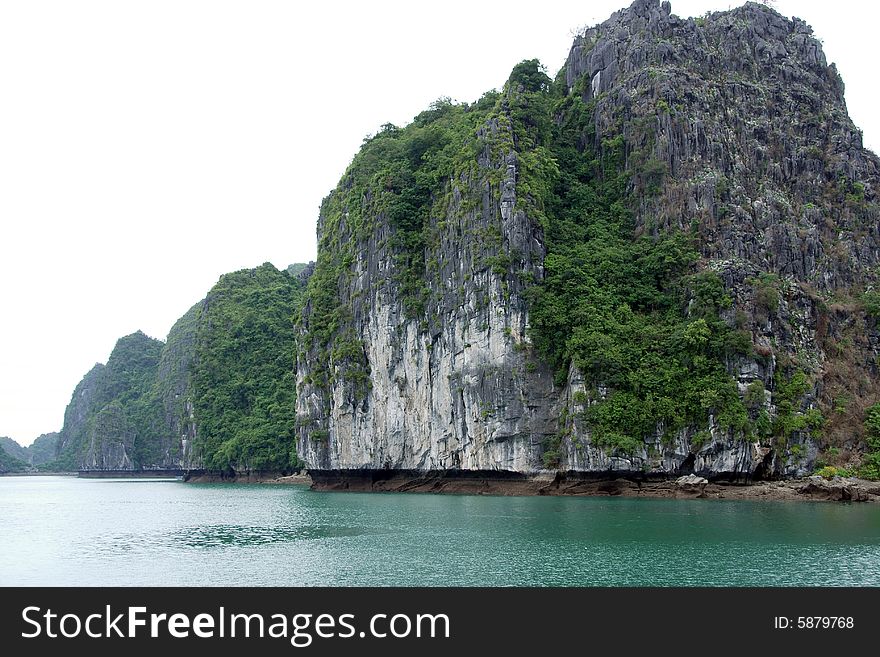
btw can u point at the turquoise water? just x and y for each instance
(68, 531)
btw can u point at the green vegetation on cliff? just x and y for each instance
(630, 310)
(607, 226)
(172, 388)
(401, 174)
(218, 394)
(13, 449)
(9, 462)
(653, 330)
(243, 380)
(870, 468)
(36, 455)
(42, 450)
(112, 420)
(128, 383)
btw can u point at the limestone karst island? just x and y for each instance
(655, 270)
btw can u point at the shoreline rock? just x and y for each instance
(506, 483)
(260, 477)
(813, 488)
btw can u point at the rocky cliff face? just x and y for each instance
(444, 238)
(242, 371)
(76, 416)
(218, 394)
(431, 378)
(13, 449)
(113, 421)
(41, 451)
(744, 122)
(11, 457)
(173, 389)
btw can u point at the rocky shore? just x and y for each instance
(814, 488)
(258, 477)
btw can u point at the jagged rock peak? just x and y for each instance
(750, 124)
(647, 30)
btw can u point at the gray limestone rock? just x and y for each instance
(747, 122)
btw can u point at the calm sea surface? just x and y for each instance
(68, 531)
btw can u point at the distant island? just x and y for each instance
(34, 457)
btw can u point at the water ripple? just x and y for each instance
(214, 536)
(67, 532)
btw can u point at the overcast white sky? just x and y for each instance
(148, 147)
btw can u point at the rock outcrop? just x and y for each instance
(173, 388)
(38, 453)
(10, 458)
(218, 394)
(42, 450)
(111, 422)
(416, 345)
(13, 449)
(747, 125)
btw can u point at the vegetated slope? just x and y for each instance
(37, 454)
(218, 394)
(243, 388)
(8, 461)
(111, 422)
(42, 450)
(661, 261)
(13, 449)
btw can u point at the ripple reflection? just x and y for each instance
(214, 536)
